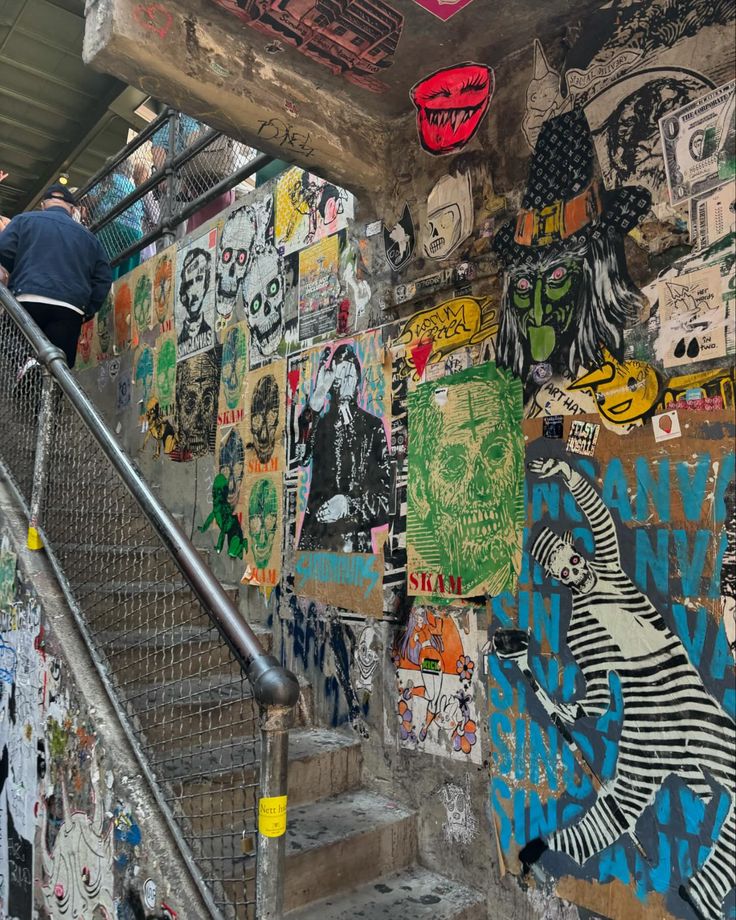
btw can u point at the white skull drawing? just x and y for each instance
(449, 215)
(263, 296)
(236, 243)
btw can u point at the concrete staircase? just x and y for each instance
(351, 852)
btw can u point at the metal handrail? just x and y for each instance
(275, 689)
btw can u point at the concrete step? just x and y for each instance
(416, 892)
(322, 763)
(338, 843)
(331, 846)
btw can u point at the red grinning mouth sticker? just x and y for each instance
(451, 104)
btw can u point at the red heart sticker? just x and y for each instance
(665, 423)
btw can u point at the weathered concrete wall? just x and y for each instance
(535, 349)
(80, 833)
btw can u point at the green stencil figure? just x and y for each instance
(104, 325)
(229, 525)
(263, 511)
(142, 303)
(166, 372)
(465, 509)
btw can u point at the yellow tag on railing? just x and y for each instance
(272, 816)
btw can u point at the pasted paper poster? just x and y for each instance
(165, 371)
(261, 499)
(713, 215)
(163, 288)
(339, 431)
(122, 315)
(465, 484)
(230, 409)
(308, 209)
(194, 304)
(436, 661)
(229, 446)
(264, 422)
(144, 377)
(86, 347)
(693, 324)
(352, 581)
(142, 287)
(699, 143)
(319, 288)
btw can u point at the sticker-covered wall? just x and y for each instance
(78, 835)
(468, 447)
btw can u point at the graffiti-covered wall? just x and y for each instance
(468, 446)
(78, 834)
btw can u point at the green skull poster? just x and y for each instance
(465, 503)
(261, 498)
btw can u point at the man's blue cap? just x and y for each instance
(57, 190)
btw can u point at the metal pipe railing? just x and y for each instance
(275, 689)
(166, 177)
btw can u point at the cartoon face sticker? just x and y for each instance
(399, 241)
(451, 104)
(449, 215)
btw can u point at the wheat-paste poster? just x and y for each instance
(465, 496)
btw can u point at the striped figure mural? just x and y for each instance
(672, 725)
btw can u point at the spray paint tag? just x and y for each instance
(272, 816)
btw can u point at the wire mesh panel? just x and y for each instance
(20, 394)
(184, 693)
(200, 160)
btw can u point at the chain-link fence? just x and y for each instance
(172, 169)
(187, 703)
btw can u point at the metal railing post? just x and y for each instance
(41, 464)
(168, 205)
(275, 724)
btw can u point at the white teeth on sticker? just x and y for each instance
(455, 117)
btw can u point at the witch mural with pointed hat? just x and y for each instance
(567, 293)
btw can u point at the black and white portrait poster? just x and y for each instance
(339, 421)
(194, 303)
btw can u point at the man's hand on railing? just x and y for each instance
(4, 276)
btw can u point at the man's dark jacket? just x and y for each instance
(48, 253)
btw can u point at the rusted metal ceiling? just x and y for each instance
(55, 113)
